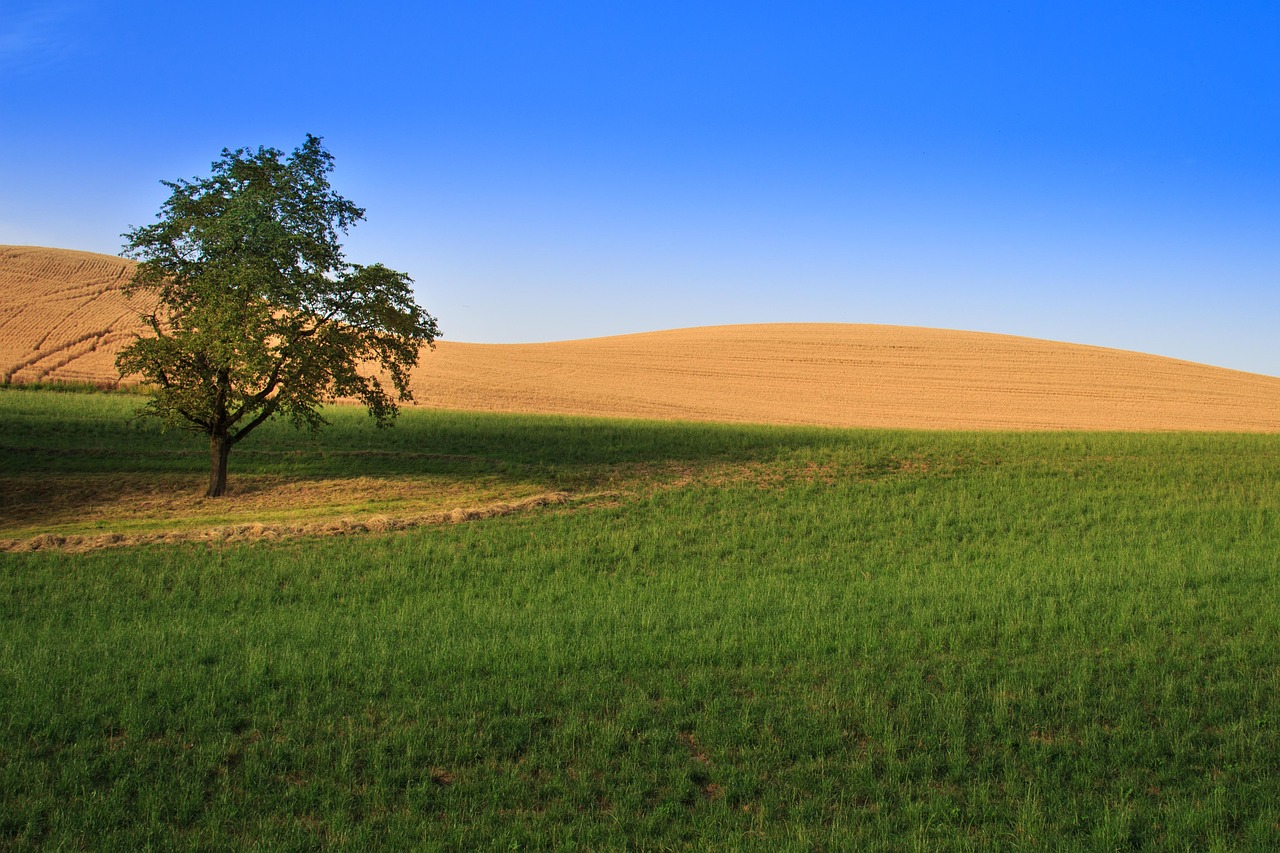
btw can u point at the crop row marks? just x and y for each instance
(43, 363)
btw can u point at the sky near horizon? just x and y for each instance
(1099, 173)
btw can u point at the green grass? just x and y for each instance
(807, 639)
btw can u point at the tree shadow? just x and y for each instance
(460, 443)
(62, 463)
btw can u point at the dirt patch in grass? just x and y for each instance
(65, 502)
(344, 526)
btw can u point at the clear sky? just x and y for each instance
(1096, 172)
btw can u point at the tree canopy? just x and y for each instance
(258, 312)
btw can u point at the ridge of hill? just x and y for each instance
(63, 317)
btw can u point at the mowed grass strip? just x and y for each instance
(875, 641)
(80, 465)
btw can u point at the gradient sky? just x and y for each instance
(1102, 173)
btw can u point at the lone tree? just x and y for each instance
(257, 311)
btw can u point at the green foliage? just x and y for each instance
(258, 310)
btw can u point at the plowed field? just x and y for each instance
(62, 318)
(62, 315)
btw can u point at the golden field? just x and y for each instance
(62, 318)
(62, 315)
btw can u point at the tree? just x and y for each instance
(258, 312)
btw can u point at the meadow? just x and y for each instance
(716, 637)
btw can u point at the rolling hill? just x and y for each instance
(63, 317)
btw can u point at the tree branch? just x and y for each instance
(273, 380)
(267, 411)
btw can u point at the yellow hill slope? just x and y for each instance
(62, 315)
(851, 375)
(62, 318)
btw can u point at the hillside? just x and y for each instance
(62, 318)
(852, 375)
(62, 315)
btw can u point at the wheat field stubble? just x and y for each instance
(63, 317)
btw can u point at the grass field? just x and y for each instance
(722, 637)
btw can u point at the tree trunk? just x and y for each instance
(219, 450)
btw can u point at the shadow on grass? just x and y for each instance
(61, 453)
(65, 455)
(28, 502)
(94, 434)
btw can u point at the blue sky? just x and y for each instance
(1103, 173)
